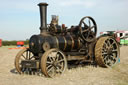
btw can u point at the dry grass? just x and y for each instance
(87, 75)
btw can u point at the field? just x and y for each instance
(87, 75)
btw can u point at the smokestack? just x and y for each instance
(43, 16)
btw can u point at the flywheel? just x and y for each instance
(88, 29)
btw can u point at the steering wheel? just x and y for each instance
(88, 29)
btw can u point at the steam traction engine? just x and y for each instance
(49, 52)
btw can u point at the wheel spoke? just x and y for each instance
(57, 56)
(89, 23)
(58, 70)
(85, 25)
(49, 66)
(51, 59)
(85, 30)
(114, 51)
(108, 43)
(49, 62)
(113, 43)
(26, 54)
(112, 60)
(92, 27)
(104, 50)
(23, 56)
(50, 69)
(52, 72)
(60, 61)
(106, 57)
(105, 53)
(31, 57)
(88, 35)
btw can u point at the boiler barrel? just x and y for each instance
(67, 43)
(41, 43)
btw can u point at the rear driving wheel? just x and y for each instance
(53, 63)
(106, 51)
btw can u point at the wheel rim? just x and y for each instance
(24, 54)
(110, 52)
(53, 63)
(88, 29)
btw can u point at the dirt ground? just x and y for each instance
(87, 75)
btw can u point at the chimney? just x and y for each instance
(43, 16)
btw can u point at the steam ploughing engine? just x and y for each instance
(56, 45)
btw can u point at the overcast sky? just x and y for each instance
(19, 19)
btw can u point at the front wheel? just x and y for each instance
(53, 63)
(23, 55)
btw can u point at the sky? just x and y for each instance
(20, 19)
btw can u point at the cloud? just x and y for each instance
(85, 3)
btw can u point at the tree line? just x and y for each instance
(14, 42)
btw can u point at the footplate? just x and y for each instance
(33, 64)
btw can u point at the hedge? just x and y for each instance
(7, 43)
